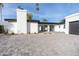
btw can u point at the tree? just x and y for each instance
(62, 21)
(45, 20)
(20, 7)
(37, 9)
(1, 6)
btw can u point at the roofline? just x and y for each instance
(37, 21)
(71, 15)
(22, 10)
(33, 21)
(10, 20)
(50, 23)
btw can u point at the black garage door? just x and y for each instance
(74, 27)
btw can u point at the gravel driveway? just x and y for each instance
(42, 44)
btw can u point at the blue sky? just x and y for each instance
(53, 12)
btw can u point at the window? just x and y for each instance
(64, 25)
(59, 26)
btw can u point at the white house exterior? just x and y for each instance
(10, 26)
(23, 24)
(59, 28)
(72, 24)
(21, 21)
(32, 27)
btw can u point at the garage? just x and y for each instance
(74, 27)
(72, 24)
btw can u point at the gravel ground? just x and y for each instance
(42, 44)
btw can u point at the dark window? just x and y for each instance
(59, 26)
(64, 25)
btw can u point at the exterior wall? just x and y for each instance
(28, 27)
(39, 27)
(21, 21)
(10, 27)
(6, 24)
(42, 27)
(59, 28)
(73, 17)
(33, 27)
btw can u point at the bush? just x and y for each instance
(12, 33)
(34, 32)
(1, 28)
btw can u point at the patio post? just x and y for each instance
(48, 29)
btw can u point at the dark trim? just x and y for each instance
(49, 23)
(37, 21)
(74, 21)
(14, 20)
(33, 21)
(10, 20)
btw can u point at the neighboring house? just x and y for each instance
(24, 24)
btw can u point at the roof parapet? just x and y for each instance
(72, 15)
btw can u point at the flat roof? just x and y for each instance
(14, 20)
(33, 21)
(49, 23)
(10, 20)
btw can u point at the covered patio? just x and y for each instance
(46, 27)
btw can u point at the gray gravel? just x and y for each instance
(42, 44)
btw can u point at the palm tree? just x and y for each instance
(20, 7)
(37, 9)
(45, 20)
(62, 21)
(1, 6)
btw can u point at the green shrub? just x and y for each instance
(1, 28)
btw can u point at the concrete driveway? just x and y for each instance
(42, 44)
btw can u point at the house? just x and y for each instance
(72, 24)
(24, 24)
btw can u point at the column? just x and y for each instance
(48, 28)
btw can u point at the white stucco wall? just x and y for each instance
(10, 27)
(59, 28)
(39, 28)
(28, 27)
(21, 21)
(70, 18)
(33, 27)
